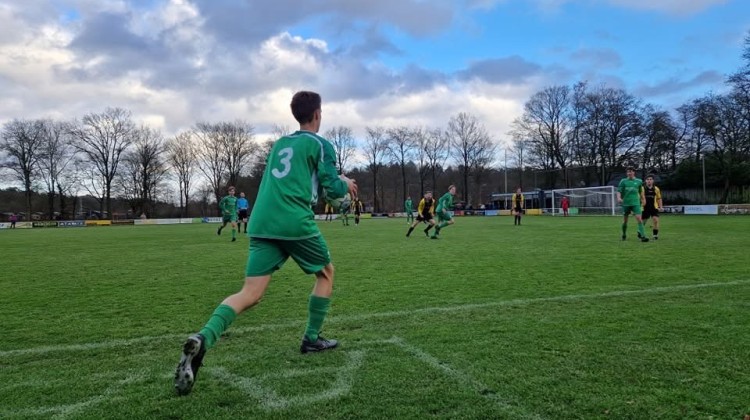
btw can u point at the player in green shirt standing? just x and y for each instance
(629, 195)
(300, 167)
(228, 206)
(409, 211)
(445, 204)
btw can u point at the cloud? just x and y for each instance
(672, 7)
(674, 84)
(598, 57)
(513, 69)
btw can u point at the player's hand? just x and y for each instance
(351, 184)
(619, 200)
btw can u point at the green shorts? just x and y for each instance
(635, 209)
(229, 218)
(268, 255)
(444, 216)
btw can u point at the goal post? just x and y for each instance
(588, 201)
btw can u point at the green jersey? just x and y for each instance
(445, 203)
(408, 205)
(299, 168)
(228, 205)
(630, 190)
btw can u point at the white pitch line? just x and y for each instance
(463, 377)
(372, 315)
(270, 400)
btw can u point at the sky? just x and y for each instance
(375, 63)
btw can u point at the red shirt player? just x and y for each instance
(565, 204)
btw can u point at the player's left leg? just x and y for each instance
(313, 257)
(445, 220)
(626, 210)
(234, 230)
(641, 229)
(655, 227)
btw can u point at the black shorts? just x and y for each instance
(649, 212)
(517, 210)
(424, 217)
(242, 214)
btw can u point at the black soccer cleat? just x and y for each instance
(234, 239)
(320, 344)
(644, 239)
(192, 359)
(640, 236)
(218, 232)
(656, 237)
(624, 237)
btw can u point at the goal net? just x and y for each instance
(583, 201)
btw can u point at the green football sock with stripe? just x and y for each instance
(220, 320)
(317, 310)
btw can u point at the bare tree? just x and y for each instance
(224, 152)
(23, 142)
(145, 169)
(102, 139)
(519, 152)
(545, 123)
(659, 140)
(727, 124)
(400, 145)
(343, 143)
(421, 139)
(465, 134)
(57, 154)
(437, 151)
(376, 150)
(238, 142)
(211, 158)
(182, 157)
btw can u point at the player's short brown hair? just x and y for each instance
(650, 176)
(231, 188)
(630, 168)
(304, 104)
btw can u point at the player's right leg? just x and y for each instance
(265, 257)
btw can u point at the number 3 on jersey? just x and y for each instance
(286, 162)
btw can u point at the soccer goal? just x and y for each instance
(589, 201)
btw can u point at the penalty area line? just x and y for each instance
(372, 315)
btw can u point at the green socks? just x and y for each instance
(234, 233)
(641, 230)
(317, 311)
(220, 320)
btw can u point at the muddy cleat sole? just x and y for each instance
(191, 360)
(321, 344)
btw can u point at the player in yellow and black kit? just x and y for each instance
(358, 208)
(651, 200)
(425, 213)
(518, 206)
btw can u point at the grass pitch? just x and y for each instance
(554, 319)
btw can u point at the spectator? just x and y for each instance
(13, 219)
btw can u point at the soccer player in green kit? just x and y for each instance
(629, 195)
(445, 204)
(228, 206)
(299, 168)
(409, 210)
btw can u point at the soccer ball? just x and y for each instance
(341, 202)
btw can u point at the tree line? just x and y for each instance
(572, 136)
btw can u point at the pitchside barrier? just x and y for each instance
(706, 209)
